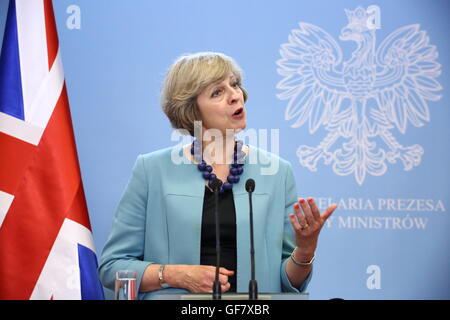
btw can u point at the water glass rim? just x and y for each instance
(126, 274)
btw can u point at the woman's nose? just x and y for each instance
(235, 95)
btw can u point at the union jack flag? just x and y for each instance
(46, 244)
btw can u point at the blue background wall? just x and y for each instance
(115, 62)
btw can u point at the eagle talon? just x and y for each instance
(309, 156)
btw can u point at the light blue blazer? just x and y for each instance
(159, 219)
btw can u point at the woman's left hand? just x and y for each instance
(307, 223)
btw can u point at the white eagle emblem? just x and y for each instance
(358, 101)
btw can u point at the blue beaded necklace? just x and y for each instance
(236, 168)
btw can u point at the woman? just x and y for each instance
(164, 225)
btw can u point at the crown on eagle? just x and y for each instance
(357, 17)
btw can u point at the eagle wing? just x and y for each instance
(311, 82)
(406, 78)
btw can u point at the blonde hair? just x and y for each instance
(186, 78)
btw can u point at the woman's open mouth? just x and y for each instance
(239, 113)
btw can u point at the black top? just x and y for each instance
(227, 222)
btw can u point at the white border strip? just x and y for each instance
(33, 54)
(20, 129)
(48, 94)
(5, 202)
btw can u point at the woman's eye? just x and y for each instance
(215, 93)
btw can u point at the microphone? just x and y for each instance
(253, 285)
(215, 185)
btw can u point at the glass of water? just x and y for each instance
(125, 288)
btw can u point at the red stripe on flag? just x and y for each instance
(48, 193)
(52, 35)
(14, 159)
(78, 211)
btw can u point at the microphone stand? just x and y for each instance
(217, 290)
(253, 285)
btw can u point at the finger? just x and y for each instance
(300, 216)
(329, 211)
(294, 222)
(314, 209)
(223, 279)
(226, 287)
(307, 212)
(226, 271)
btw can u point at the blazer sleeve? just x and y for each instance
(289, 235)
(124, 249)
